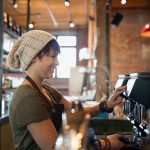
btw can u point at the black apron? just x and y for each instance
(54, 110)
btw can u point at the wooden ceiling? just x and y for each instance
(53, 14)
(42, 18)
(131, 4)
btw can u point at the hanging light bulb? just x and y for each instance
(71, 24)
(123, 2)
(145, 32)
(67, 3)
(15, 5)
(31, 25)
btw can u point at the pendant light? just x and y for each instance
(145, 32)
(67, 3)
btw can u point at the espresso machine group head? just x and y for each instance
(136, 103)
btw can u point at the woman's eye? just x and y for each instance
(54, 56)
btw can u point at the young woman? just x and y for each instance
(35, 109)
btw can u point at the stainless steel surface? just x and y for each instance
(126, 107)
(136, 102)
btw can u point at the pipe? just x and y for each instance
(1, 51)
(107, 43)
(28, 15)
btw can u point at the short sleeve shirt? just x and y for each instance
(28, 107)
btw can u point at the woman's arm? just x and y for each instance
(44, 134)
(94, 110)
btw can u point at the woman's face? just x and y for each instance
(45, 66)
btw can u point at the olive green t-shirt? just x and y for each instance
(28, 107)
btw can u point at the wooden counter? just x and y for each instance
(6, 141)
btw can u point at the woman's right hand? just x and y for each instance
(113, 99)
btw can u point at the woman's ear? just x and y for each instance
(33, 60)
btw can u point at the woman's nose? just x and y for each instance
(57, 62)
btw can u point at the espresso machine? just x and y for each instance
(135, 105)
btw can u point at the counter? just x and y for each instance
(4, 118)
(102, 127)
(6, 141)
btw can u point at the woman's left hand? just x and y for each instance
(114, 100)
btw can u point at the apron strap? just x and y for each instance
(56, 109)
(37, 88)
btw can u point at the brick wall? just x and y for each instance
(129, 51)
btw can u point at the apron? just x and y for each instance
(54, 110)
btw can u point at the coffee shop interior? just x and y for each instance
(104, 44)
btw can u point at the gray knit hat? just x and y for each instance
(27, 47)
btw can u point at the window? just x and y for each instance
(67, 57)
(8, 42)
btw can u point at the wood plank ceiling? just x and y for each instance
(78, 12)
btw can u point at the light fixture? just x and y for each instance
(145, 32)
(15, 5)
(5, 17)
(31, 25)
(71, 24)
(67, 3)
(123, 2)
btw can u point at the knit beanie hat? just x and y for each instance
(27, 47)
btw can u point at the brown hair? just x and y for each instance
(45, 51)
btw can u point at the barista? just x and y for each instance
(35, 109)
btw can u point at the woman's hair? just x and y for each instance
(53, 44)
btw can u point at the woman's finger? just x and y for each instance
(120, 88)
(116, 94)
